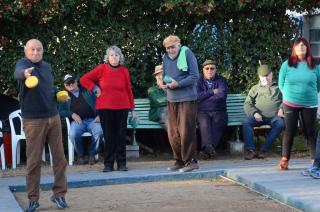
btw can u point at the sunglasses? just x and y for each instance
(210, 68)
(70, 82)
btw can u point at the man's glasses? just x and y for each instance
(210, 68)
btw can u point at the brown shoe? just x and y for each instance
(250, 154)
(261, 155)
(284, 163)
(81, 161)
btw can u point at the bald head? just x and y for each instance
(33, 50)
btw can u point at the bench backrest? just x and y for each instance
(234, 109)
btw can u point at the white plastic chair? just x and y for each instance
(3, 161)
(16, 136)
(70, 144)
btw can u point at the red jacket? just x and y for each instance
(116, 92)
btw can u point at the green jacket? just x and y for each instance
(158, 101)
(65, 109)
(265, 100)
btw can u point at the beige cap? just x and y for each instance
(171, 40)
(158, 69)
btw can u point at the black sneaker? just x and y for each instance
(210, 151)
(33, 205)
(192, 165)
(203, 155)
(122, 168)
(60, 201)
(176, 166)
(108, 169)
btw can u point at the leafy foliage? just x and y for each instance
(75, 34)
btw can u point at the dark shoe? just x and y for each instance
(60, 201)
(250, 154)
(192, 165)
(122, 168)
(92, 160)
(108, 169)
(33, 205)
(81, 161)
(210, 151)
(176, 166)
(284, 163)
(203, 155)
(261, 155)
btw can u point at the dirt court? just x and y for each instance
(185, 196)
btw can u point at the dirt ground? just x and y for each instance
(178, 196)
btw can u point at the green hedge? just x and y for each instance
(75, 35)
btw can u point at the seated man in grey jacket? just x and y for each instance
(83, 117)
(263, 107)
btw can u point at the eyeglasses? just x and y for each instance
(210, 68)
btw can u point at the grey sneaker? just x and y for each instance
(92, 160)
(60, 201)
(33, 205)
(176, 166)
(192, 165)
(315, 174)
(309, 171)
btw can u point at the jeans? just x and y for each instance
(87, 125)
(212, 126)
(317, 155)
(276, 123)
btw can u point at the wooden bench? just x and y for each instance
(234, 109)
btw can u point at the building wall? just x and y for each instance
(311, 31)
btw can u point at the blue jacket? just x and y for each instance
(207, 100)
(40, 101)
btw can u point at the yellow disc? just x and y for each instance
(62, 96)
(31, 82)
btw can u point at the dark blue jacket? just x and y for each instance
(40, 101)
(207, 100)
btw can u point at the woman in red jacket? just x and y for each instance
(111, 84)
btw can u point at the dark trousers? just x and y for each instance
(114, 126)
(182, 130)
(212, 126)
(308, 117)
(39, 131)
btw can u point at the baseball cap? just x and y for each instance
(68, 78)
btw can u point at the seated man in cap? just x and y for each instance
(158, 100)
(80, 108)
(263, 107)
(212, 108)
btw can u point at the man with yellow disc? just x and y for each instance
(81, 110)
(41, 123)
